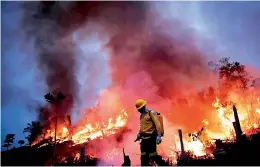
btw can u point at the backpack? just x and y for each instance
(160, 118)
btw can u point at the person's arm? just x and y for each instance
(138, 137)
(157, 123)
(140, 124)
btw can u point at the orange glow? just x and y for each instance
(205, 122)
(224, 115)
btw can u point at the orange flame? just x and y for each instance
(91, 132)
(226, 117)
(257, 109)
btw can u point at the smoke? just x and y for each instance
(148, 58)
(55, 50)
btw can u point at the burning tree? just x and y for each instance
(34, 129)
(232, 75)
(235, 79)
(9, 140)
(55, 101)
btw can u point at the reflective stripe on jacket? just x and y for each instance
(149, 124)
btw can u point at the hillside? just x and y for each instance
(235, 153)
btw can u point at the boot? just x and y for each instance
(145, 161)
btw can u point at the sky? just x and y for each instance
(18, 77)
(231, 27)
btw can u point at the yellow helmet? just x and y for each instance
(140, 103)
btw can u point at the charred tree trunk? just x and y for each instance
(82, 155)
(181, 141)
(236, 124)
(54, 151)
(236, 130)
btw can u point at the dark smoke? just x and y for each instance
(112, 15)
(55, 49)
(139, 43)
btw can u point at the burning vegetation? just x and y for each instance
(201, 143)
(167, 70)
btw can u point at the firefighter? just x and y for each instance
(150, 134)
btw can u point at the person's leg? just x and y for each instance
(159, 160)
(153, 153)
(144, 156)
(144, 160)
(152, 148)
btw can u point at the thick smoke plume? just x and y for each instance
(148, 58)
(54, 48)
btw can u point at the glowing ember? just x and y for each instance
(173, 154)
(45, 144)
(205, 122)
(77, 157)
(111, 155)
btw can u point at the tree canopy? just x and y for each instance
(21, 142)
(34, 129)
(9, 140)
(233, 74)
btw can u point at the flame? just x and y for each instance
(226, 117)
(45, 144)
(258, 111)
(224, 113)
(196, 147)
(88, 132)
(77, 157)
(65, 132)
(255, 125)
(92, 132)
(206, 122)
